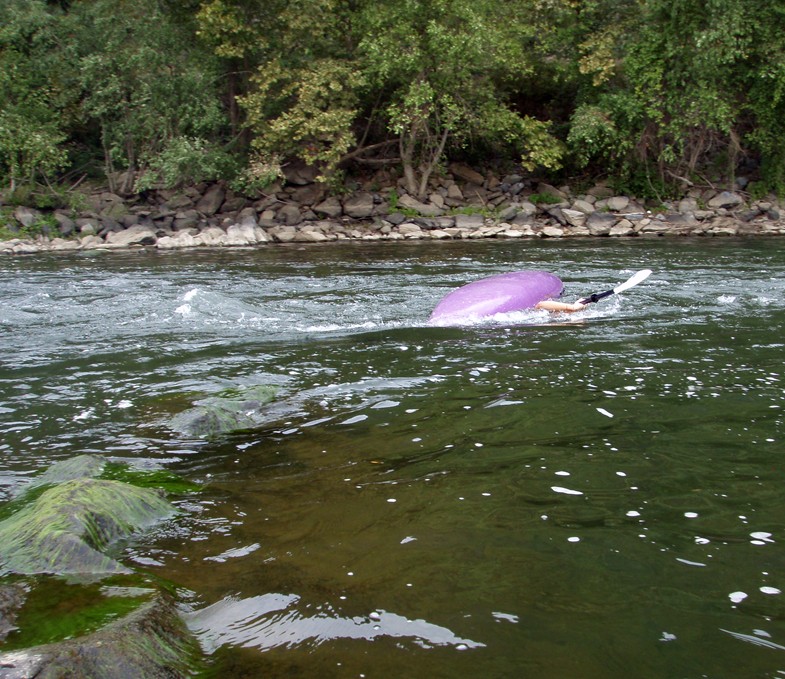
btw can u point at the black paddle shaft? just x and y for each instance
(596, 297)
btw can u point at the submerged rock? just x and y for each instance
(67, 527)
(79, 467)
(231, 410)
(12, 596)
(151, 642)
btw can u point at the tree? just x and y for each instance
(147, 85)
(764, 82)
(32, 105)
(237, 31)
(302, 99)
(442, 69)
(667, 103)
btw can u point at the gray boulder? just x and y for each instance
(212, 200)
(290, 215)
(177, 201)
(618, 203)
(231, 410)
(467, 174)
(583, 206)
(574, 217)
(79, 467)
(297, 172)
(725, 199)
(181, 239)
(474, 221)
(359, 206)
(12, 598)
(310, 194)
(27, 216)
(330, 207)
(65, 224)
(600, 223)
(408, 202)
(136, 235)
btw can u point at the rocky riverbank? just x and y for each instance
(463, 204)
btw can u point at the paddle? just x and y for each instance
(634, 280)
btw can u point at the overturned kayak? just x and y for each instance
(499, 294)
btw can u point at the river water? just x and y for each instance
(593, 495)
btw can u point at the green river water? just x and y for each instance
(597, 495)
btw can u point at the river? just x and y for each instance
(597, 495)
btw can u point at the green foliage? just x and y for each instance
(306, 113)
(644, 91)
(236, 29)
(45, 226)
(544, 199)
(259, 173)
(668, 100)
(442, 69)
(185, 161)
(148, 88)
(766, 97)
(594, 135)
(31, 98)
(487, 212)
(29, 147)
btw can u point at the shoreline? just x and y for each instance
(248, 236)
(464, 204)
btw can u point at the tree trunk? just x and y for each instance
(407, 144)
(427, 168)
(108, 167)
(130, 175)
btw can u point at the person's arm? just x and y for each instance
(552, 305)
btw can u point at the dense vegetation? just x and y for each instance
(653, 94)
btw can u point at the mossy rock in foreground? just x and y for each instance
(231, 410)
(151, 642)
(65, 530)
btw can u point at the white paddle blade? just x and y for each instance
(637, 278)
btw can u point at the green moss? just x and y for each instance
(158, 478)
(66, 528)
(55, 611)
(150, 641)
(29, 496)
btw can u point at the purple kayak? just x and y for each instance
(499, 294)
